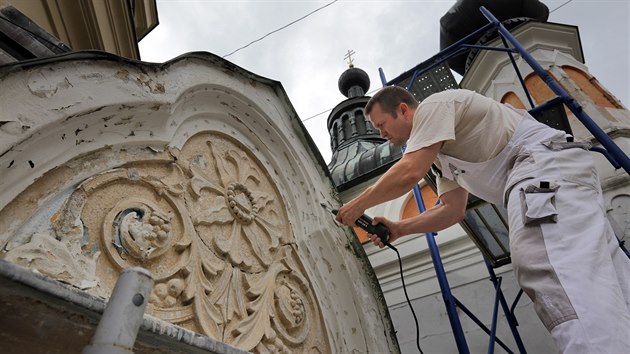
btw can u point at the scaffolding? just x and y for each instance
(433, 75)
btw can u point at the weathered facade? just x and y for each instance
(198, 171)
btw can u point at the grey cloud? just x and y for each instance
(307, 57)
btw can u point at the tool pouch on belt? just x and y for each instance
(538, 203)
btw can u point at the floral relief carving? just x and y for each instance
(236, 206)
(213, 230)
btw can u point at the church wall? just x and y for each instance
(198, 171)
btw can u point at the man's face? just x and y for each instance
(396, 128)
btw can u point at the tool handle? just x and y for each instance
(365, 222)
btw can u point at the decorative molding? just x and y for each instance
(212, 229)
(140, 161)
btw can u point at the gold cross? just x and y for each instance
(349, 57)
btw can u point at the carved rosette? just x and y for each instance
(212, 228)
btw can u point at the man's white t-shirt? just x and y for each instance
(473, 127)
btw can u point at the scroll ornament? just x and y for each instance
(213, 230)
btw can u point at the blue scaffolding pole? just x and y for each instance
(609, 149)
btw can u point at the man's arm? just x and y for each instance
(398, 180)
(451, 210)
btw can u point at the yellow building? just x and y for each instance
(114, 26)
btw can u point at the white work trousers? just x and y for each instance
(566, 256)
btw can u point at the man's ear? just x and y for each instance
(404, 109)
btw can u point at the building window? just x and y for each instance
(347, 127)
(538, 89)
(540, 92)
(591, 87)
(512, 99)
(361, 235)
(360, 122)
(335, 138)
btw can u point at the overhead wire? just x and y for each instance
(330, 109)
(560, 6)
(281, 28)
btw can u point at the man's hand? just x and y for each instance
(397, 181)
(394, 231)
(349, 213)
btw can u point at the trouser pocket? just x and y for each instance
(562, 145)
(538, 203)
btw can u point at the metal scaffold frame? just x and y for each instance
(609, 149)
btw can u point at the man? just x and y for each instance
(564, 252)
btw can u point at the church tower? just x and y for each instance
(358, 151)
(359, 154)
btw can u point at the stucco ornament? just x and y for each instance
(235, 206)
(212, 228)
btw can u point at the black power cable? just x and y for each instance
(366, 223)
(402, 278)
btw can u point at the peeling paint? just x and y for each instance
(142, 81)
(40, 86)
(86, 113)
(82, 141)
(170, 106)
(13, 127)
(92, 76)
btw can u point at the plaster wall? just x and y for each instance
(198, 171)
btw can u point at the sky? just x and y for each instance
(307, 57)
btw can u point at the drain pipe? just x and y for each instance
(118, 328)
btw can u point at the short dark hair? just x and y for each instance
(388, 98)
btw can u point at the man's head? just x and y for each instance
(391, 112)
